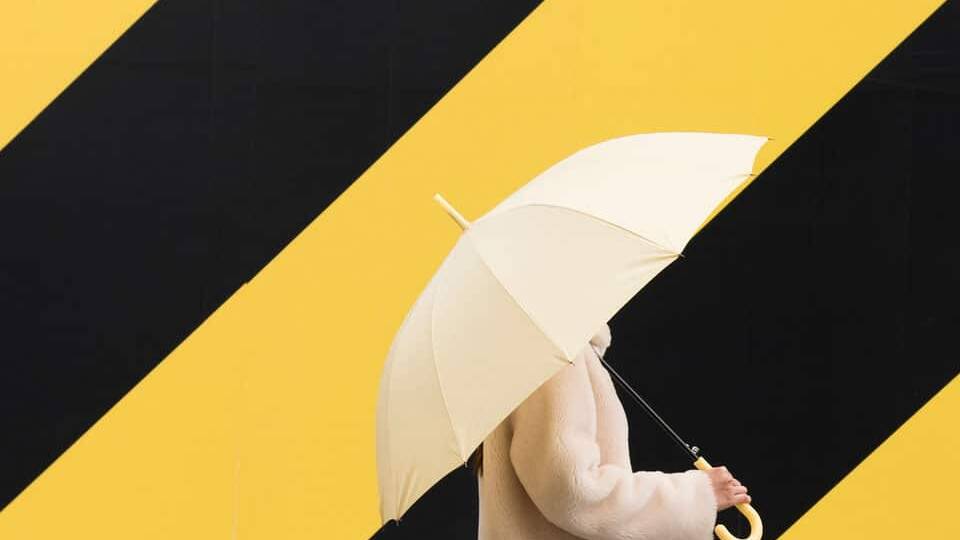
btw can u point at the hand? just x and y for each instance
(727, 489)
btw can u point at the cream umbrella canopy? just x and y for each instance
(514, 301)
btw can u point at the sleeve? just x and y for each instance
(555, 454)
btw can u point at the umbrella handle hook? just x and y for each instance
(756, 525)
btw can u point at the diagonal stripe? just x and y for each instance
(905, 489)
(135, 206)
(261, 423)
(46, 45)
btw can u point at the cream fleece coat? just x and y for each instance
(559, 468)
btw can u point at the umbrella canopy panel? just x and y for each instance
(661, 186)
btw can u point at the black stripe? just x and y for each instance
(814, 315)
(173, 169)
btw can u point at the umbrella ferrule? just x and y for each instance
(457, 216)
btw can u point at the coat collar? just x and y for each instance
(602, 338)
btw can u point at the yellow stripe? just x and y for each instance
(261, 424)
(907, 488)
(45, 45)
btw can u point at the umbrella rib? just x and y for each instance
(516, 302)
(436, 370)
(606, 221)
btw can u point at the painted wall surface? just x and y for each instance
(216, 214)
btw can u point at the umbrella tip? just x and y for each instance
(451, 211)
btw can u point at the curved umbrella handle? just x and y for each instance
(756, 526)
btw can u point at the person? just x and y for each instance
(558, 467)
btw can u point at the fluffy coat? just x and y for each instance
(559, 468)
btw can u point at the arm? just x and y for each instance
(557, 459)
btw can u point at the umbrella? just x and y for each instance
(514, 301)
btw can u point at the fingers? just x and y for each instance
(728, 489)
(732, 500)
(724, 476)
(738, 494)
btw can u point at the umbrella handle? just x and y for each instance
(756, 525)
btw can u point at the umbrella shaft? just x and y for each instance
(691, 451)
